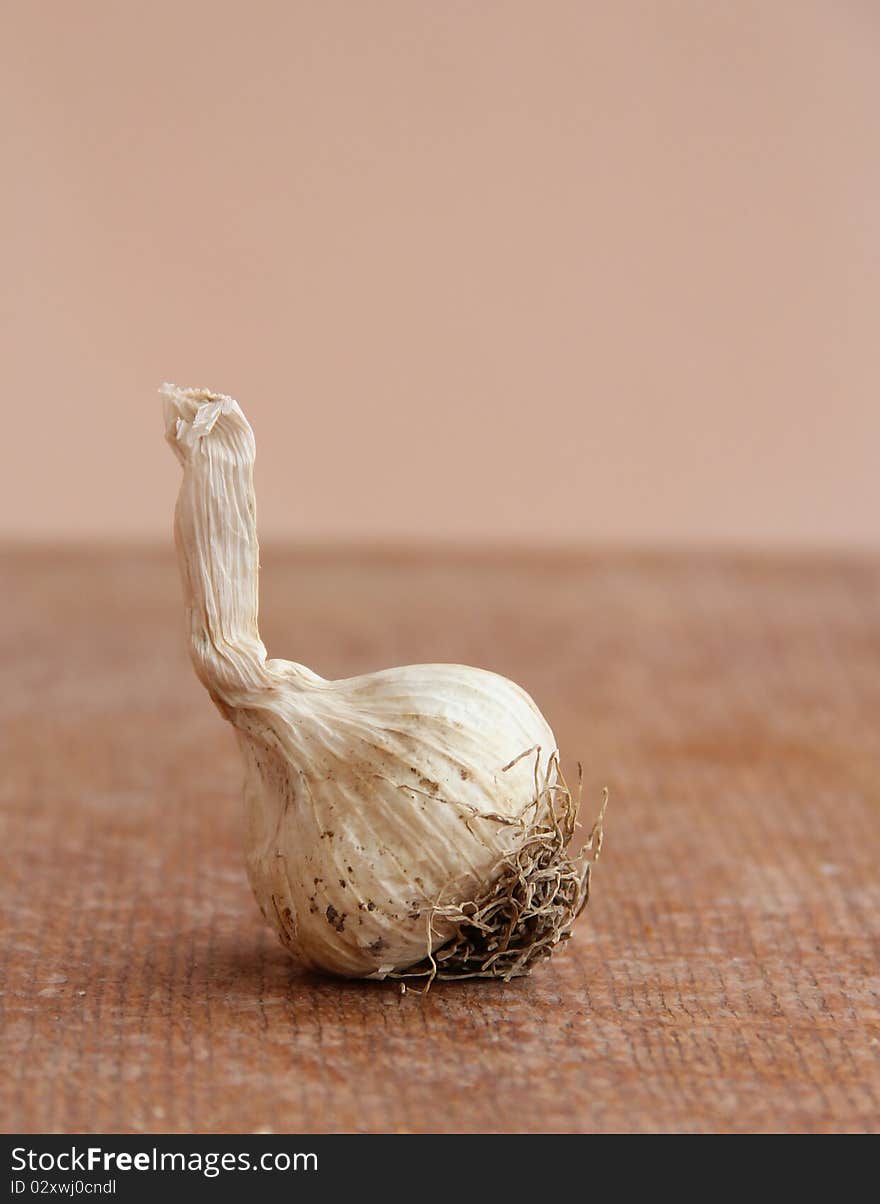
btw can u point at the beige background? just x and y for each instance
(519, 271)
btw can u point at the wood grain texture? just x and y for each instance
(724, 978)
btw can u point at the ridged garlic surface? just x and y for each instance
(377, 805)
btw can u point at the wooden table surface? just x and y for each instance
(725, 976)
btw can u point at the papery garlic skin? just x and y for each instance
(371, 799)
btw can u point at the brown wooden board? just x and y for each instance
(725, 977)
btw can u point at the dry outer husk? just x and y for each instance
(536, 894)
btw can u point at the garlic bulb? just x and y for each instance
(407, 821)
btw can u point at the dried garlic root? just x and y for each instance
(404, 823)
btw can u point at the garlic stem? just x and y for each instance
(216, 537)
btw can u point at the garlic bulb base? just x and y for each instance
(534, 898)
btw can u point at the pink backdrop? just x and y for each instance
(498, 271)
